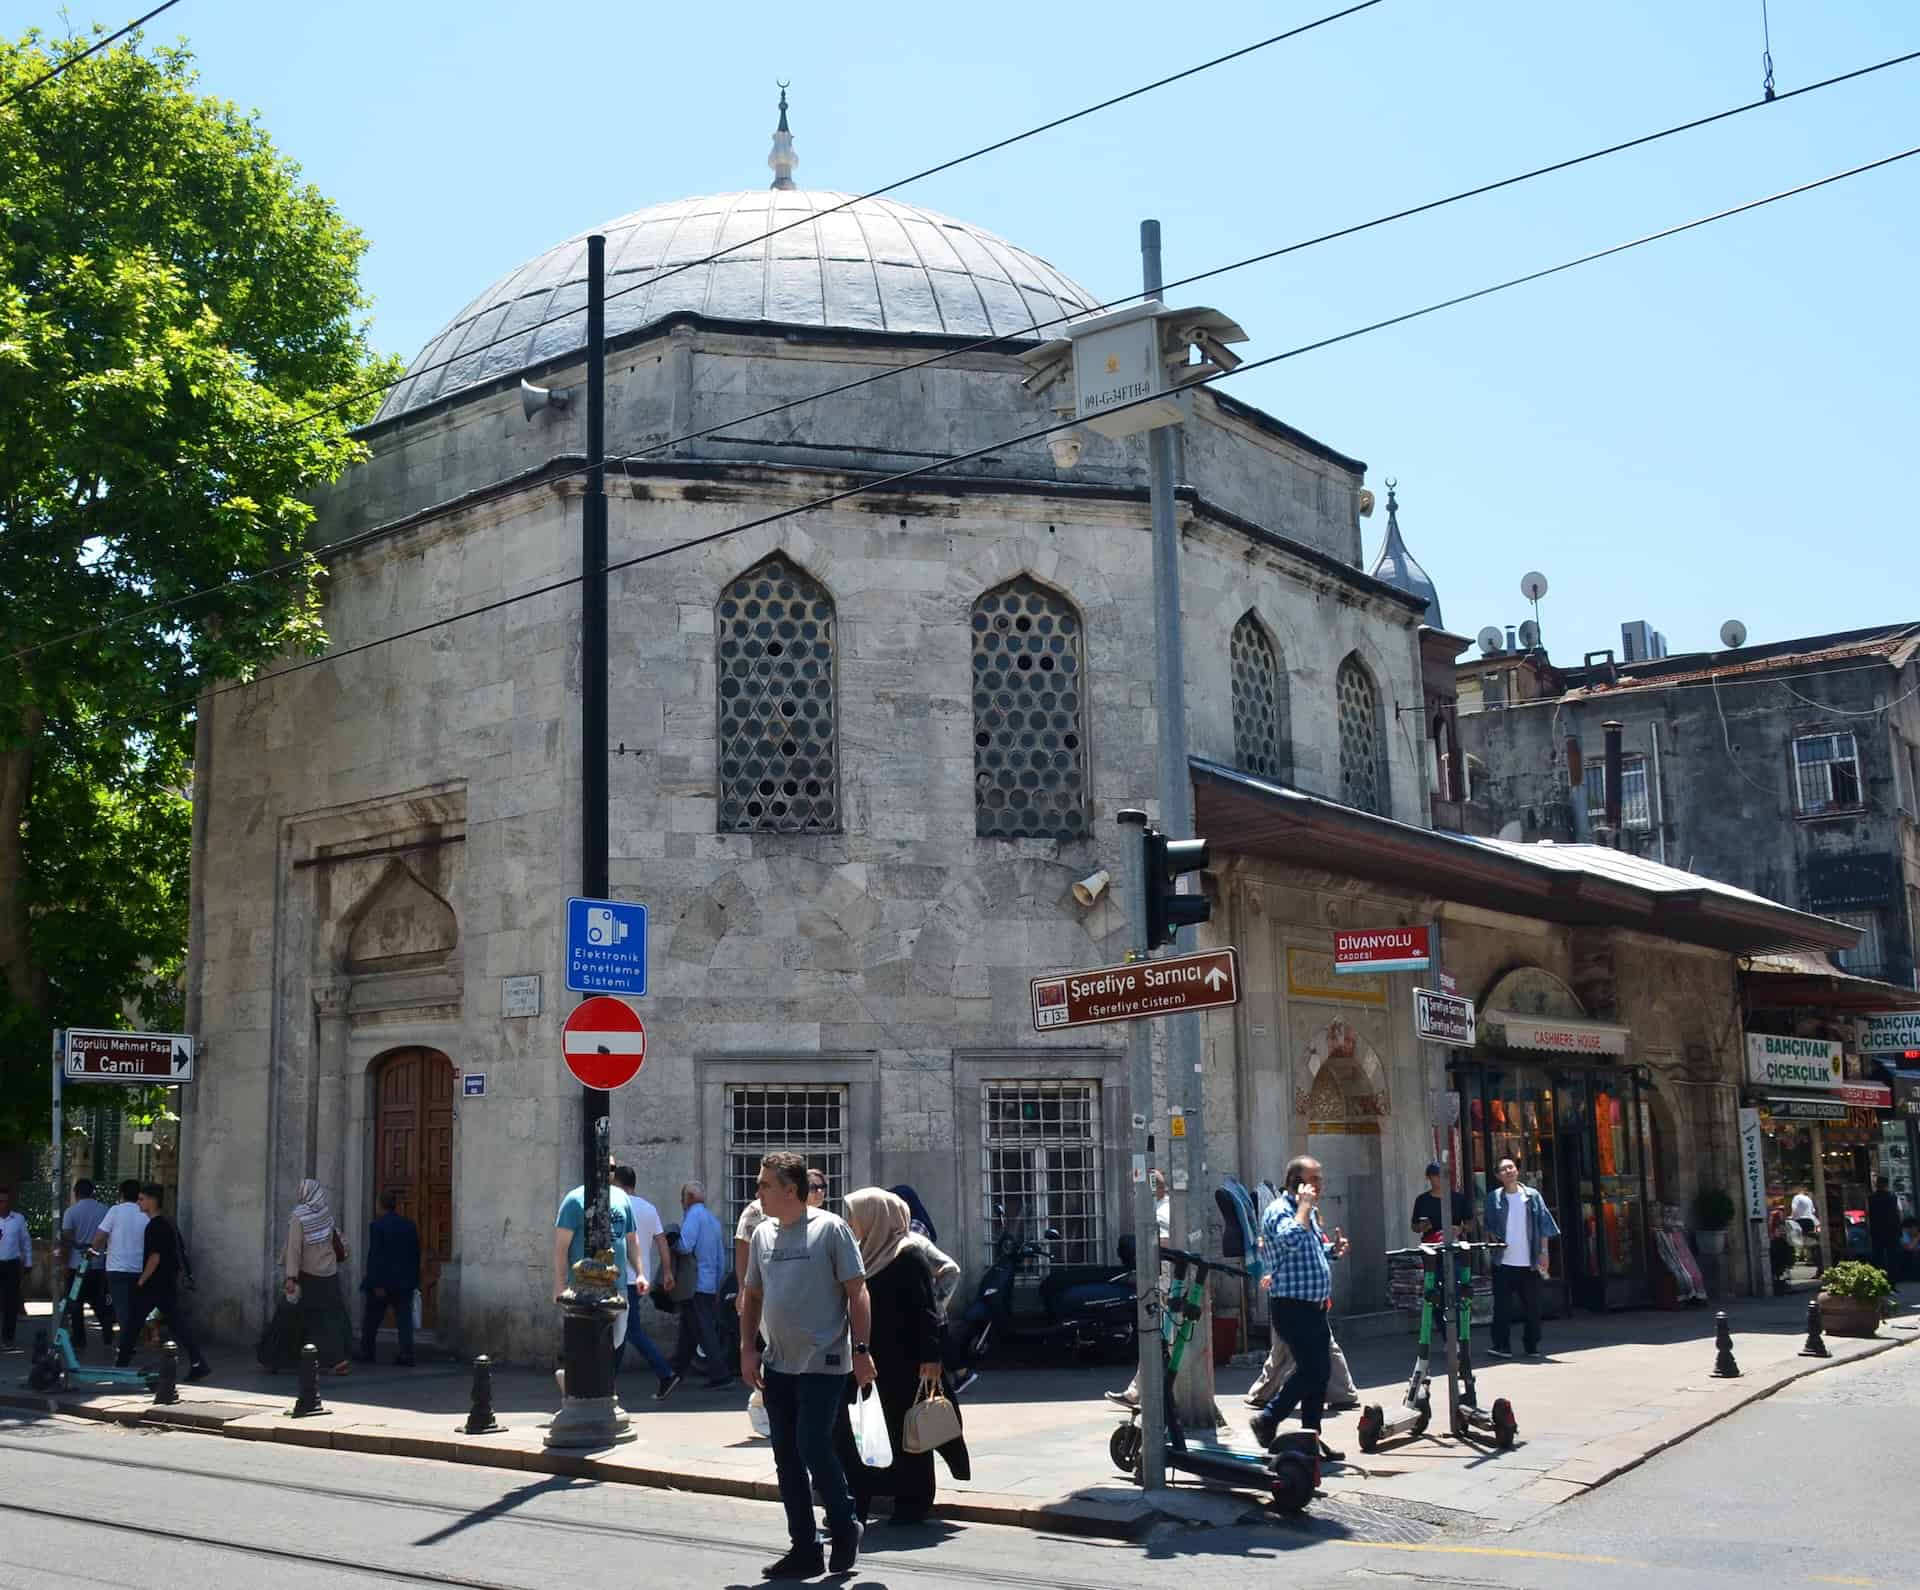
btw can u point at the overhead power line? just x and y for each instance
(74, 60)
(901, 477)
(859, 198)
(984, 343)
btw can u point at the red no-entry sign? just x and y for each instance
(605, 1043)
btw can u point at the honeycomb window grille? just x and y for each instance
(1260, 728)
(1363, 742)
(1029, 715)
(779, 752)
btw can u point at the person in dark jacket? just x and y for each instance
(392, 1276)
(1883, 1227)
(907, 1332)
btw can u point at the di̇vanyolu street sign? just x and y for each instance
(140, 1059)
(1136, 990)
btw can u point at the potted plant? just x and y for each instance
(1712, 1214)
(1853, 1296)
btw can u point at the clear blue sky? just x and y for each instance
(1701, 430)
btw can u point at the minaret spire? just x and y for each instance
(782, 159)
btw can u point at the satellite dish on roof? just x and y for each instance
(1733, 634)
(1529, 634)
(1490, 639)
(1533, 586)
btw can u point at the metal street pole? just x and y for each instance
(590, 1415)
(59, 1137)
(1186, 1086)
(1150, 1381)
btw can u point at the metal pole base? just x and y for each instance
(590, 1413)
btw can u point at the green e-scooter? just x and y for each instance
(1443, 1300)
(1289, 1473)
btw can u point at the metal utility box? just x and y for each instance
(1118, 360)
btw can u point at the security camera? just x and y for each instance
(1091, 887)
(1065, 447)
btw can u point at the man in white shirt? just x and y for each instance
(16, 1264)
(77, 1227)
(122, 1236)
(1518, 1216)
(650, 1238)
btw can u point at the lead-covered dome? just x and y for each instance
(877, 265)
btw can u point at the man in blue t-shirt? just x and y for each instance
(570, 1245)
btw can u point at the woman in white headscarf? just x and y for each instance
(312, 1307)
(908, 1280)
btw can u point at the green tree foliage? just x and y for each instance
(174, 299)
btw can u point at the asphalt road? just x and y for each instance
(1812, 1486)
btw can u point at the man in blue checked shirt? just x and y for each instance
(1299, 1293)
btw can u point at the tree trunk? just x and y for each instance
(24, 981)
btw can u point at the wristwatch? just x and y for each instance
(862, 1349)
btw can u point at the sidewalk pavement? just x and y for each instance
(1612, 1391)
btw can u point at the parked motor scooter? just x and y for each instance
(1078, 1308)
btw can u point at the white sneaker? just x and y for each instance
(1126, 1399)
(1498, 1352)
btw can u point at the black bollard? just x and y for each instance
(480, 1419)
(166, 1385)
(1816, 1342)
(308, 1403)
(1724, 1368)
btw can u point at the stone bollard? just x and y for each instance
(1816, 1342)
(1724, 1368)
(480, 1419)
(308, 1403)
(166, 1385)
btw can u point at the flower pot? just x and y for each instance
(1849, 1316)
(1710, 1242)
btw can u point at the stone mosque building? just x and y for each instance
(860, 754)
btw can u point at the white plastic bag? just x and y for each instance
(870, 1430)
(757, 1417)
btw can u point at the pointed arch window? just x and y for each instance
(1363, 739)
(1029, 715)
(1262, 741)
(778, 735)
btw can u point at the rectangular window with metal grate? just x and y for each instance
(1634, 811)
(761, 1120)
(1040, 1163)
(1826, 774)
(1865, 959)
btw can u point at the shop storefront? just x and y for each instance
(1823, 1133)
(1555, 1093)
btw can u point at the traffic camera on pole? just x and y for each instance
(1163, 862)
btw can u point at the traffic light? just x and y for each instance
(1163, 860)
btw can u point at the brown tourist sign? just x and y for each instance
(1138, 989)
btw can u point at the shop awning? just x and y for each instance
(1552, 883)
(1554, 1034)
(1789, 980)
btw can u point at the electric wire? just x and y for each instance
(881, 483)
(1264, 257)
(859, 198)
(25, 89)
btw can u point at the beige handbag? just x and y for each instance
(931, 1422)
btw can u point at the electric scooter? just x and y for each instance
(1289, 1472)
(57, 1367)
(1442, 1302)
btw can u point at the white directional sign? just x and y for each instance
(142, 1059)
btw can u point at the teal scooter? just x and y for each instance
(57, 1367)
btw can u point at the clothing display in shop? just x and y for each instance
(1605, 1119)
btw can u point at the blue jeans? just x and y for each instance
(802, 1410)
(1303, 1327)
(121, 1285)
(640, 1341)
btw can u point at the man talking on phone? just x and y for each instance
(1299, 1284)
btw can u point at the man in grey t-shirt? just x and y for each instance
(806, 1293)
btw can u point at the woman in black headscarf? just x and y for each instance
(922, 1221)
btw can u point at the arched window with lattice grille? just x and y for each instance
(1262, 735)
(778, 734)
(1029, 715)
(1363, 739)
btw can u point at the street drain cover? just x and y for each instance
(1349, 1518)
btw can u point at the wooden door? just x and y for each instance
(413, 1155)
